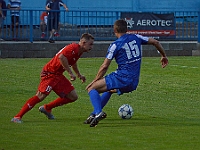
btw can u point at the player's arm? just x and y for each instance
(47, 7)
(76, 70)
(66, 8)
(1, 12)
(159, 47)
(64, 5)
(103, 69)
(65, 64)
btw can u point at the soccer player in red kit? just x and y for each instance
(52, 78)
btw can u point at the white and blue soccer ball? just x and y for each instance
(125, 111)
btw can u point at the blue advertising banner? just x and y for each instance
(160, 26)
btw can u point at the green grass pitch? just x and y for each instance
(166, 109)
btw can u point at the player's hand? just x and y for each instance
(72, 77)
(164, 61)
(82, 78)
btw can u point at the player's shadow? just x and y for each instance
(117, 122)
(150, 121)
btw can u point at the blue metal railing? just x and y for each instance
(98, 23)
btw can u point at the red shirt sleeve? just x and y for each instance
(71, 52)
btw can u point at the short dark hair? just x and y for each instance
(120, 26)
(87, 36)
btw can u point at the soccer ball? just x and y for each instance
(125, 111)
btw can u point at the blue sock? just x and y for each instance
(95, 100)
(104, 99)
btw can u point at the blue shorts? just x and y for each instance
(122, 84)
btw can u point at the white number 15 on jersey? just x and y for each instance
(132, 49)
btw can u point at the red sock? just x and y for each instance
(28, 106)
(58, 102)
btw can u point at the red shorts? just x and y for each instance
(58, 83)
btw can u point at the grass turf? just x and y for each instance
(166, 109)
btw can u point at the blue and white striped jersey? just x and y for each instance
(13, 5)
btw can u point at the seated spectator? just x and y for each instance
(43, 23)
(53, 17)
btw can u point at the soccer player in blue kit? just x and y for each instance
(126, 51)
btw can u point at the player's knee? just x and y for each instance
(72, 95)
(41, 95)
(74, 98)
(89, 89)
(70, 100)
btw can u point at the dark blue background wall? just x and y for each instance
(121, 5)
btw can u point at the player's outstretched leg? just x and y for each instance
(30, 103)
(97, 118)
(104, 99)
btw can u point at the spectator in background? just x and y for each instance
(47, 1)
(56, 33)
(14, 6)
(53, 18)
(2, 15)
(43, 23)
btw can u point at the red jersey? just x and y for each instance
(70, 51)
(43, 15)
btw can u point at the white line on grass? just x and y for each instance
(184, 66)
